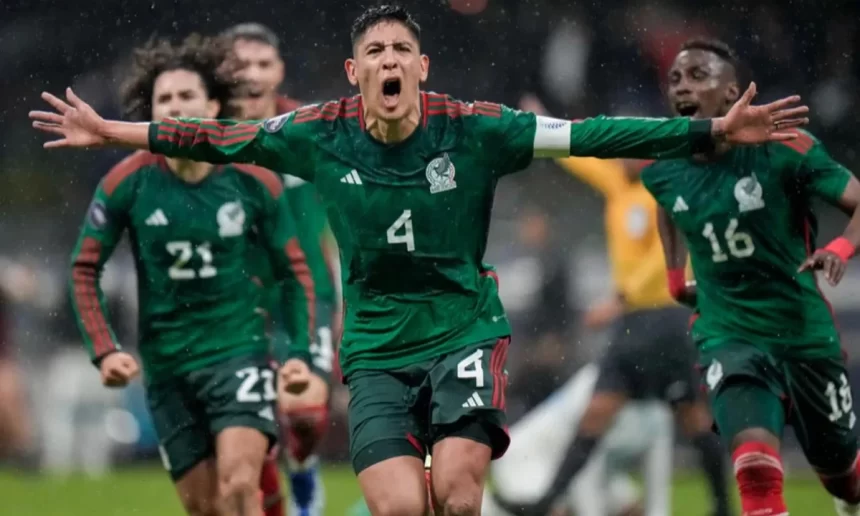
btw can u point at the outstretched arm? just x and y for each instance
(213, 141)
(527, 136)
(675, 253)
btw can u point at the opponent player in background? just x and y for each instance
(305, 417)
(425, 334)
(769, 347)
(210, 387)
(650, 355)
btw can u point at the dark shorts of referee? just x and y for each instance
(650, 356)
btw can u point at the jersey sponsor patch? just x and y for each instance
(274, 124)
(440, 174)
(552, 137)
(98, 216)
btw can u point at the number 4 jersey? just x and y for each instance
(748, 222)
(198, 300)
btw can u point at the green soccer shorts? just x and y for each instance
(190, 410)
(750, 388)
(404, 412)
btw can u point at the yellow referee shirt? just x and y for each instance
(635, 251)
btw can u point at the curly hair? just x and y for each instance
(209, 57)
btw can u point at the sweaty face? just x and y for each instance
(263, 71)
(388, 68)
(701, 85)
(181, 93)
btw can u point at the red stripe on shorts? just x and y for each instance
(497, 368)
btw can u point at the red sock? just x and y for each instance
(758, 470)
(270, 487)
(845, 486)
(429, 490)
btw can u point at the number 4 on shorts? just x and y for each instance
(471, 367)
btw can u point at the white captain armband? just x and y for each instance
(552, 137)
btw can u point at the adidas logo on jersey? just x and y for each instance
(351, 178)
(680, 205)
(157, 218)
(474, 401)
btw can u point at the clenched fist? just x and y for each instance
(118, 369)
(295, 375)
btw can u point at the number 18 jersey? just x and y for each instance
(748, 223)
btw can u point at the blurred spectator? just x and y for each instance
(16, 429)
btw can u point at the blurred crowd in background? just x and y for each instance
(581, 58)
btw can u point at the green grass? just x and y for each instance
(148, 491)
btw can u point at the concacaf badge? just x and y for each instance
(231, 219)
(98, 215)
(440, 174)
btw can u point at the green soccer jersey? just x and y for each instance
(748, 222)
(411, 219)
(191, 242)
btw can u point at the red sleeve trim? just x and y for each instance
(85, 278)
(265, 176)
(126, 168)
(802, 144)
(299, 266)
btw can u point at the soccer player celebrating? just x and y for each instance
(407, 178)
(306, 415)
(650, 355)
(210, 387)
(769, 348)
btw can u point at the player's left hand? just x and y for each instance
(294, 376)
(827, 261)
(748, 124)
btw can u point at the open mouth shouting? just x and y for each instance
(687, 108)
(390, 92)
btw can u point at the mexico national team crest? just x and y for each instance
(748, 193)
(440, 173)
(231, 219)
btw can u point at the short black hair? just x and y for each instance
(211, 58)
(384, 13)
(720, 49)
(253, 31)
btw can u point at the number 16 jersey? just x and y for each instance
(748, 222)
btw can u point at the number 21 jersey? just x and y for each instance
(748, 223)
(198, 302)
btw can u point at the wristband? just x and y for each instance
(677, 282)
(841, 247)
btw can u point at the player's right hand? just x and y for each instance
(295, 376)
(75, 121)
(118, 369)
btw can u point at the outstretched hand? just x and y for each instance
(748, 124)
(75, 121)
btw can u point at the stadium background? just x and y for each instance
(581, 58)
